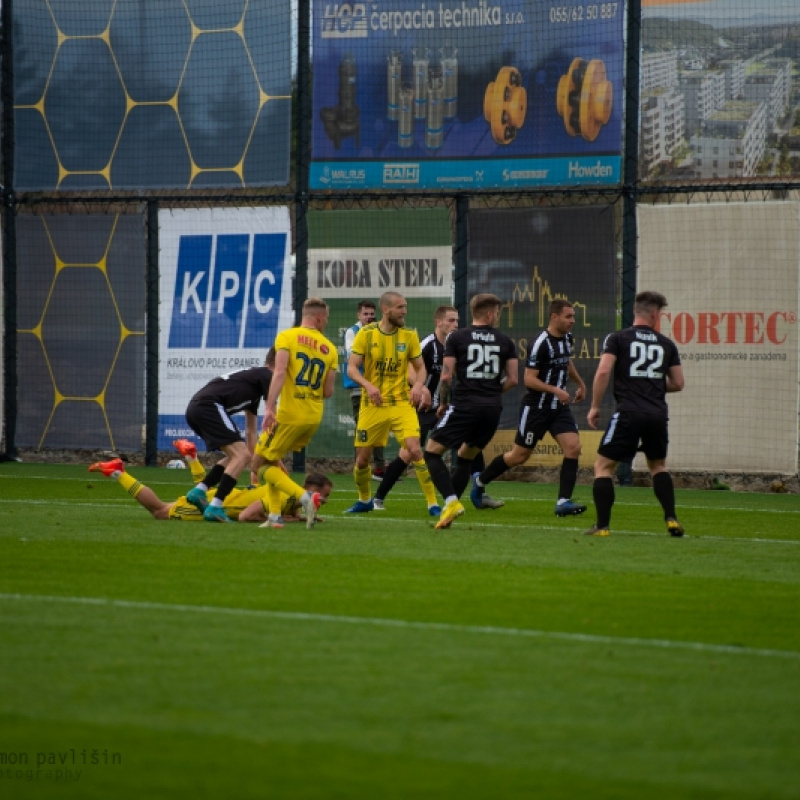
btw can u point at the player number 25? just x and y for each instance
(484, 361)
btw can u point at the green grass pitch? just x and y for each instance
(377, 658)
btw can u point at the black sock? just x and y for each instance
(394, 471)
(478, 463)
(226, 484)
(664, 490)
(439, 474)
(494, 470)
(567, 478)
(214, 476)
(603, 492)
(461, 475)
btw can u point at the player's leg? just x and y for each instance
(412, 444)
(373, 430)
(237, 459)
(144, 495)
(655, 440)
(570, 444)
(391, 476)
(189, 452)
(280, 441)
(619, 443)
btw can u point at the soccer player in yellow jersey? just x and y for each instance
(240, 504)
(384, 350)
(306, 363)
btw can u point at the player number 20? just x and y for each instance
(311, 370)
(647, 360)
(484, 361)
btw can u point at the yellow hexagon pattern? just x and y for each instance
(174, 94)
(81, 331)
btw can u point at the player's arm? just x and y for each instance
(446, 383)
(354, 364)
(253, 513)
(419, 392)
(275, 387)
(675, 378)
(536, 384)
(511, 374)
(330, 384)
(580, 392)
(250, 430)
(601, 380)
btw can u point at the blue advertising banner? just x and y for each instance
(225, 294)
(465, 94)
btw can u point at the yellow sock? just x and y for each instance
(275, 498)
(362, 477)
(197, 469)
(130, 484)
(425, 482)
(276, 477)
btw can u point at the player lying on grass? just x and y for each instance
(249, 504)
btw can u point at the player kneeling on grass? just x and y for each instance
(249, 504)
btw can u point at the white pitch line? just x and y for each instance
(485, 630)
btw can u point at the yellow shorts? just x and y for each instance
(236, 502)
(183, 510)
(375, 422)
(282, 439)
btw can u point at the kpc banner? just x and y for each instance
(467, 94)
(225, 293)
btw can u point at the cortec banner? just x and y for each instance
(529, 257)
(225, 294)
(730, 274)
(467, 94)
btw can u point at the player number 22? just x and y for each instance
(484, 361)
(648, 359)
(311, 370)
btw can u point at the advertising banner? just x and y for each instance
(529, 257)
(467, 94)
(359, 255)
(730, 274)
(225, 294)
(719, 85)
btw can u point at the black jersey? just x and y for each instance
(481, 353)
(644, 357)
(433, 356)
(550, 356)
(237, 391)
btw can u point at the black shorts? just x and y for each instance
(470, 425)
(427, 422)
(534, 423)
(212, 423)
(627, 429)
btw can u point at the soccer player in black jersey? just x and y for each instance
(484, 362)
(646, 366)
(209, 415)
(545, 408)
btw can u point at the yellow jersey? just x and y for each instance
(311, 357)
(386, 357)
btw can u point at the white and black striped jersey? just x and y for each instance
(433, 356)
(644, 356)
(550, 356)
(481, 353)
